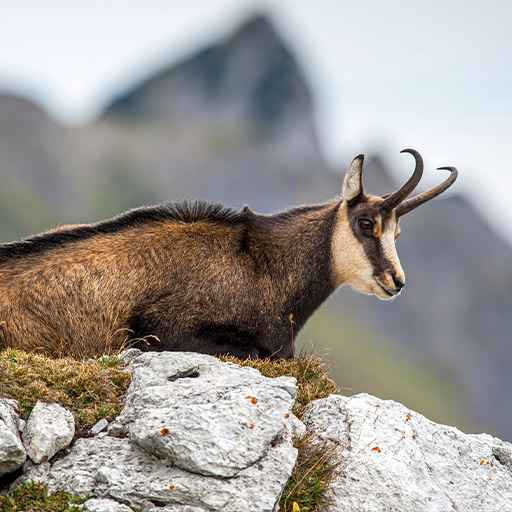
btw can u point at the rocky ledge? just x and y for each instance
(200, 435)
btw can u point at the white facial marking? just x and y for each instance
(351, 264)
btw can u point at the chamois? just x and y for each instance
(200, 277)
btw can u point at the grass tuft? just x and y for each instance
(312, 374)
(34, 497)
(306, 490)
(92, 389)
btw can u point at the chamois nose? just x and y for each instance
(398, 282)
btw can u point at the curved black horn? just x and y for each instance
(419, 199)
(396, 198)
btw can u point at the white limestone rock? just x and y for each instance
(50, 428)
(104, 505)
(12, 452)
(176, 508)
(21, 425)
(227, 404)
(119, 469)
(203, 415)
(100, 426)
(199, 435)
(394, 459)
(195, 435)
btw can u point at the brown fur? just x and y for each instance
(200, 277)
(216, 283)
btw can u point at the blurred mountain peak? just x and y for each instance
(251, 79)
(258, 24)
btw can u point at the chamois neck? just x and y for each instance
(296, 247)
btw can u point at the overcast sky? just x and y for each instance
(432, 75)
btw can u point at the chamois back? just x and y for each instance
(184, 212)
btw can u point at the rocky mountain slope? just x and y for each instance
(200, 435)
(235, 123)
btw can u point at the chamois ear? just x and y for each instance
(353, 182)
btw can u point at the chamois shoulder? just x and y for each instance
(184, 212)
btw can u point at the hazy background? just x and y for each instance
(106, 106)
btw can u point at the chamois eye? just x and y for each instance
(365, 224)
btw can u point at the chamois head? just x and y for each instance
(363, 251)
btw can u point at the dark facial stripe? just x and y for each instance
(375, 253)
(372, 245)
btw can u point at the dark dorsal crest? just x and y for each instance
(186, 212)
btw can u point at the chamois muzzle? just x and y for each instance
(393, 200)
(414, 202)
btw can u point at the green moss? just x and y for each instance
(92, 389)
(34, 497)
